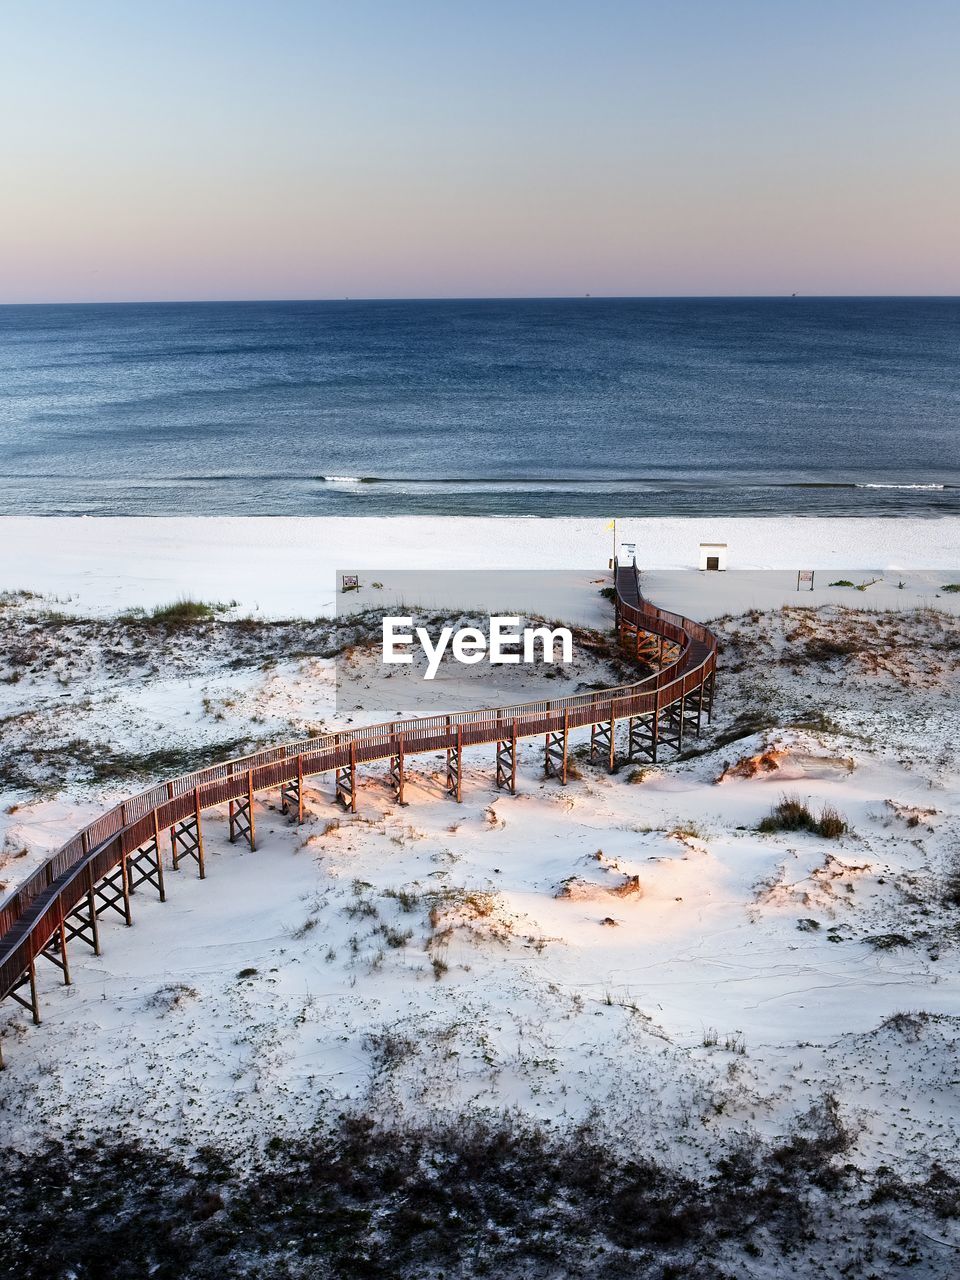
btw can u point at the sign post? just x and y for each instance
(805, 579)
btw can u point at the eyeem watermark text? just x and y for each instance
(503, 643)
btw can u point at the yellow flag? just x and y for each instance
(611, 524)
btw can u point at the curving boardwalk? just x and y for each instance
(101, 867)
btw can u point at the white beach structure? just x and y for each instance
(713, 555)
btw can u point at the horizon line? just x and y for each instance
(453, 298)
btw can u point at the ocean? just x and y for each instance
(605, 407)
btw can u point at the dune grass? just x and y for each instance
(792, 814)
(183, 612)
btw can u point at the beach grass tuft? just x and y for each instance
(793, 814)
(184, 611)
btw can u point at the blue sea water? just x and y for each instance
(543, 407)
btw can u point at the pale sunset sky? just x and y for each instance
(438, 148)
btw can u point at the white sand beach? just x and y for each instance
(285, 567)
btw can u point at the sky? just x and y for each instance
(419, 148)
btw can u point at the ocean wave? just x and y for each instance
(901, 486)
(611, 485)
(506, 485)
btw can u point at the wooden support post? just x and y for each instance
(159, 859)
(397, 770)
(237, 821)
(670, 722)
(201, 864)
(555, 753)
(454, 783)
(284, 798)
(601, 739)
(146, 863)
(131, 869)
(346, 781)
(64, 959)
(634, 736)
(507, 760)
(290, 804)
(55, 949)
(186, 837)
(232, 819)
(612, 761)
(253, 818)
(112, 893)
(643, 731)
(291, 795)
(243, 820)
(29, 980)
(82, 921)
(94, 918)
(34, 999)
(125, 886)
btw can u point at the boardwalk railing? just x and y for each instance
(99, 868)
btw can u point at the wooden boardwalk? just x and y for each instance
(122, 852)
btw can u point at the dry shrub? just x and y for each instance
(831, 824)
(793, 814)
